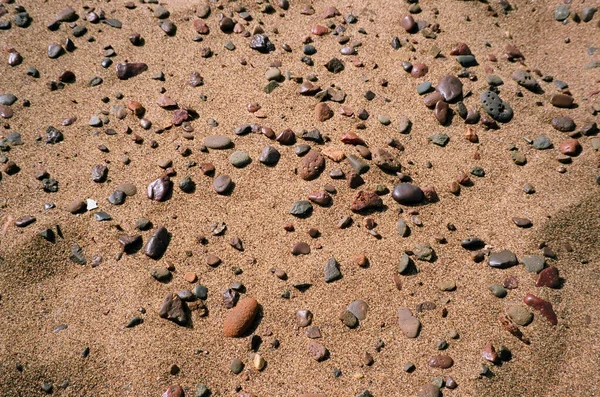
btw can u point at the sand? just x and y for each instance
(41, 289)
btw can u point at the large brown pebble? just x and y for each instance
(440, 361)
(562, 101)
(312, 165)
(408, 23)
(76, 206)
(240, 318)
(323, 112)
(570, 147)
(542, 306)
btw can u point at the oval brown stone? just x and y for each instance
(240, 318)
(312, 165)
(440, 361)
(570, 147)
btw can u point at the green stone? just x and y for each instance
(271, 86)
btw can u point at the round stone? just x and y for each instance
(407, 194)
(217, 142)
(239, 159)
(236, 366)
(520, 315)
(222, 184)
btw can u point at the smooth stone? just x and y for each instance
(441, 113)
(497, 290)
(222, 184)
(236, 366)
(404, 264)
(522, 222)
(424, 88)
(570, 147)
(300, 248)
(359, 308)
(533, 263)
(450, 87)
(160, 189)
(200, 292)
(519, 158)
(440, 361)
(157, 244)
(7, 99)
(301, 208)
(562, 101)
(542, 143)
(561, 12)
(129, 70)
(543, 306)
(239, 159)
(76, 206)
(466, 60)
(563, 124)
(494, 80)
(304, 318)
(408, 194)
(408, 323)
(520, 315)
(161, 274)
(472, 243)
(502, 259)
(311, 166)
(349, 319)
(331, 270)
(240, 318)
(548, 278)
(402, 228)
(128, 188)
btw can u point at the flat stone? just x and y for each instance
(533, 263)
(301, 248)
(331, 270)
(301, 208)
(525, 79)
(439, 139)
(542, 143)
(222, 184)
(522, 222)
(217, 142)
(502, 259)
(543, 306)
(128, 70)
(7, 99)
(562, 101)
(563, 124)
(157, 244)
(561, 12)
(408, 323)
(520, 315)
(497, 290)
(239, 159)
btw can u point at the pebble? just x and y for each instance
(331, 270)
(300, 248)
(359, 308)
(217, 142)
(525, 79)
(408, 323)
(54, 51)
(520, 315)
(408, 194)
(160, 189)
(563, 124)
(562, 101)
(502, 259)
(440, 361)
(522, 222)
(6, 112)
(304, 318)
(222, 184)
(240, 318)
(359, 165)
(173, 391)
(441, 113)
(561, 12)
(239, 159)
(497, 290)
(548, 278)
(424, 88)
(76, 206)
(236, 366)
(570, 147)
(349, 319)
(301, 208)
(385, 160)
(544, 307)
(7, 99)
(496, 107)
(157, 244)
(429, 390)
(402, 228)
(317, 351)
(542, 143)
(175, 309)
(450, 87)
(269, 155)
(533, 263)
(418, 70)
(366, 200)
(311, 165)
(128, 70)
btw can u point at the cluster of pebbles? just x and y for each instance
(316, 155)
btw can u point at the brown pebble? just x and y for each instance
(440, 361)
(300, 248)
(240, 318)
(570, 147)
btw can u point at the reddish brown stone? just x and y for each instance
(489, 353)
(461, 49)
(570, 147)
(440, 361)
(352, 138)
(323, 112)
(240, 318)
(200, 26)
(548, 278)
(419, 70)
(312, 165)
(366, 200)
(542, 306)
(319, 30)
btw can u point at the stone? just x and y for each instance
(496, 107)
(522, 222)
(424, 252)
(542, 143)
(175, 309)
(76, 207)
(359, 165)
(408, 23)
(366, 200)
(7, 99)
(334, 65)
(502, 259)
(128, 70)
(385, 160)
(240, 318)
(311, 165)
(562, 101)
(402, 228)
(173, 391)
(301, 208)
(261, 43)
(408, 194)
(269, 155)
(321, 198)
(442, 114)
(55, 50)
(544, 307)
(304, 318)
(570, 147)
(533, 263)
(548, 278)
(99, 173)
(518, 158)
(217, 142)
(317, 351)
(158, 243)
(160, 189)
(439, 139)
(222, 184)
(77, 255)
(563, 124)
(359, 308)
(331, 270)
(349, 319)
(440, 361)
(450, 87)
(239, 159)
(561, 12)
(429, 390)
(408, 323)
(520, 315)
(424, 87)
(301, 248)
(525, 79)
(497, 290)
